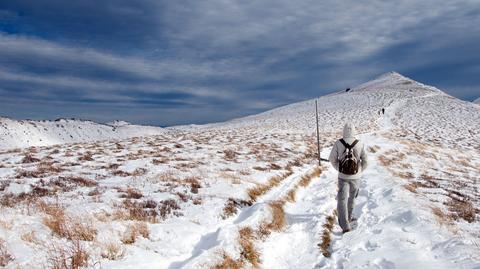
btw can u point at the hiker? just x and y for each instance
(383, 111)
(349, 158)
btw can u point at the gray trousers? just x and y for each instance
(347, 192)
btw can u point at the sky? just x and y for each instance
(172, 62)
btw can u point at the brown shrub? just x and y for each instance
(95, 192)
(80, 181)
(385, 161)
(5, 256)
(260, 168)
(12, 200)
(139, 172)
(73, 228)
(28, 158)
(121, 173)
(274, 166)
(133, 231)
(183, 197)
(232, 206)
(131, 193)
(229, 263)
(194, 184)
(30, 236)
(159, 161)
(442, 218)
(48, 168)
(197, 201)
(168, 207)
(4, 184)
(462, 209)
(86, 157)
(20, 173)
(230, 155)
(141, 211)
(412, 187)
(74, 256)
(112, 251)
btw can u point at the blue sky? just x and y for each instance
(175, 62)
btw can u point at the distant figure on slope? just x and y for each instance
(383, 111)
(349, 158)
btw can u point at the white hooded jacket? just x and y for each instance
(359, 151)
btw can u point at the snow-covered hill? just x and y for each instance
(477, 101)
(248, 193)
(419, 109)
(26, 133)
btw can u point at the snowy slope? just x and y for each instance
(248, 192)
(425, 110)
(26, 133)
(477, 101)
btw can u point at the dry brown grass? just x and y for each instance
(327, 235)
(248, 251)
(73, 228)
(86, 157)
(137, 210)
(304, 182)
(261, 189)
(373, 149)
(112, 251)
(441, 217)
(131, 193)
(147, 210)
(81, 181)
(278, 216)
(133, 231)
(234, 179)
(228, 262)
(233, 205)
(5, 256)
(412, 187)
(30, 237)
(73, 256)
(230, 155)
(462, 209)
(6, 224)
(28, 158)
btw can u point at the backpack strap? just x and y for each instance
(354, 143)
(347, 145)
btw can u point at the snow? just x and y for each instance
(476, 101)
(412, 206)
(28, 133)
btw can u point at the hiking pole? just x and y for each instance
(318, 134)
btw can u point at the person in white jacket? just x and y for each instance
(348, 183)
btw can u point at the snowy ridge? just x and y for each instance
(477, 101)
(26, 133)
(425, 111)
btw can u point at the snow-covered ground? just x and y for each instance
(248, 193)
(28, 133)
(477, 101)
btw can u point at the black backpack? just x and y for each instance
(349, 162)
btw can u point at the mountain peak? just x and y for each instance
(392, 74)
